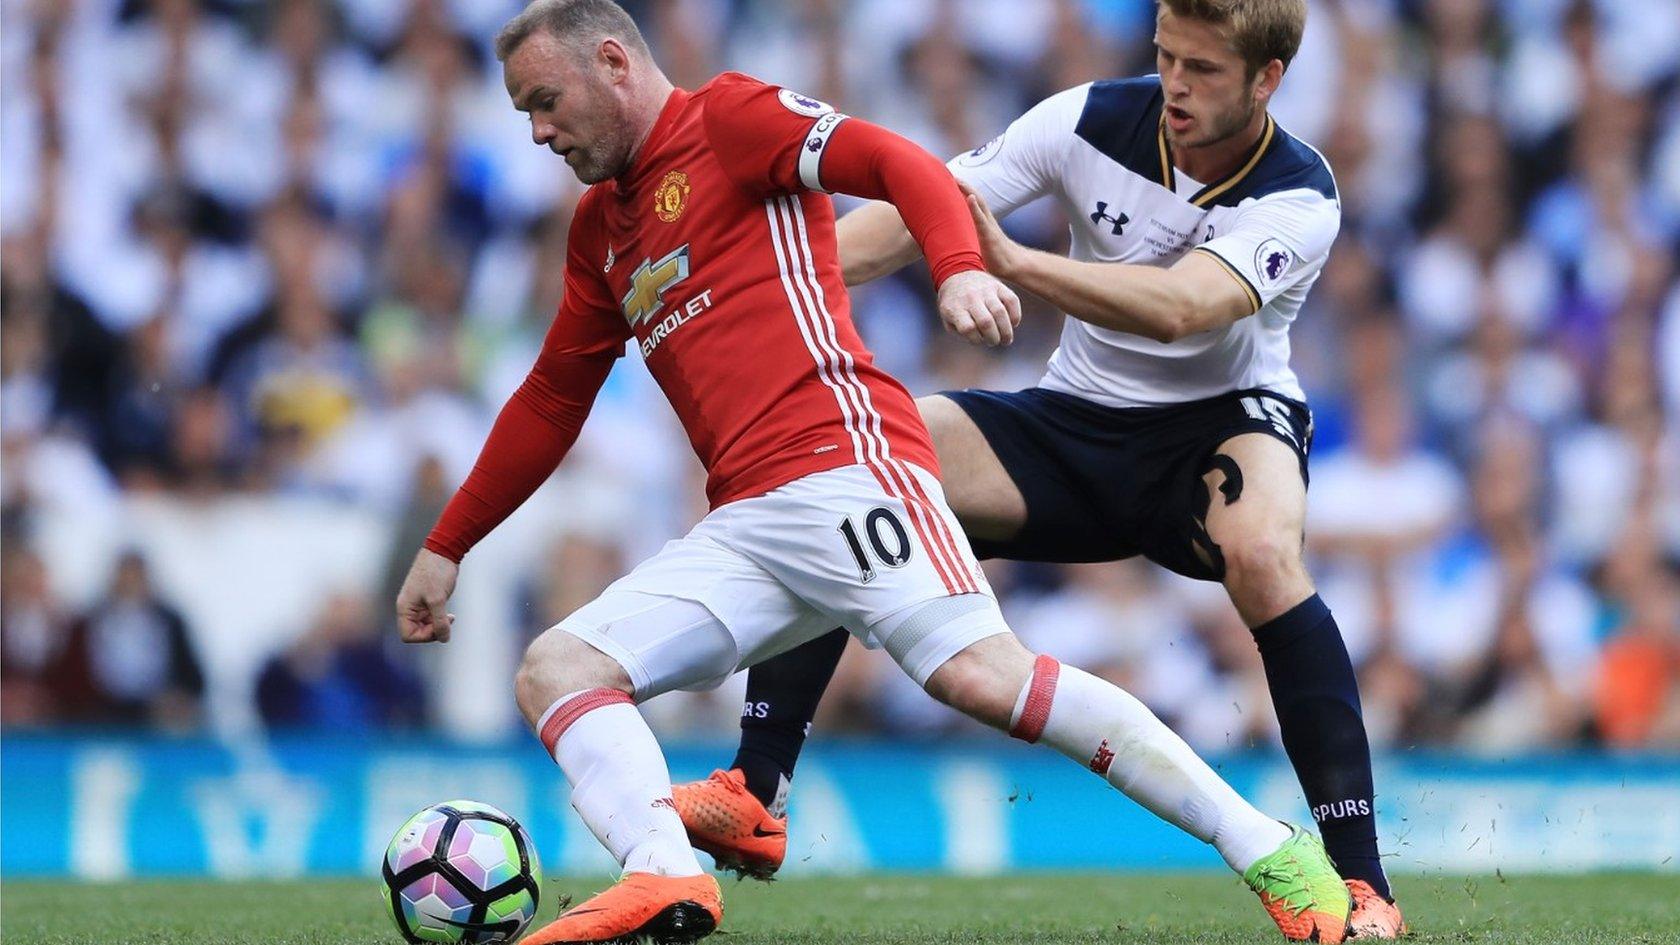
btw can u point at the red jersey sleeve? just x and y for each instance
(541, 421)
(773, 140)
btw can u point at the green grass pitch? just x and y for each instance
(875, 910)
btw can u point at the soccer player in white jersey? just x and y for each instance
(1168, 423)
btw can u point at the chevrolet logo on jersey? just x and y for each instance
(649, 283)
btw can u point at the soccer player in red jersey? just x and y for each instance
(707, 241)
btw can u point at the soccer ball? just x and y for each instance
(461, 872)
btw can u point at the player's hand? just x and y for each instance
(1000, 252)
(425, 592)
(977, 306)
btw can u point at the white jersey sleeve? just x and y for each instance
(1026, 161)
(1276, 242)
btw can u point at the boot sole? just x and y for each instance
(677, 924)
(731, 862)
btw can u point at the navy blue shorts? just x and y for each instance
(1105, 483)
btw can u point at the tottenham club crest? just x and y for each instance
(803, 104)
(1272, 261)
(671, 197)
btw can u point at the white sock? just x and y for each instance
(1103, 727)
(620, 785)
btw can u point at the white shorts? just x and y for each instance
(760, 576)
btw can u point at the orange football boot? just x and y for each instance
(724, 819)
(1373, 916)
(638, 908)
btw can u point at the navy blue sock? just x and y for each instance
(782, 697)
(1317, 700)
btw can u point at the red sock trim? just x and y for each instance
(575, 708)
(1040, 693)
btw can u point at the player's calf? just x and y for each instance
(578, 701)
(994, 679)
(1103, 728)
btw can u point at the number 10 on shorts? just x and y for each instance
(887, 538)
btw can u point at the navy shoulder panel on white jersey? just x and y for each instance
(1287, 164)
(1122, 119)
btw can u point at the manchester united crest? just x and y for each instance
(671, 197)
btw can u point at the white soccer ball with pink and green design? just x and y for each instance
(464, 872)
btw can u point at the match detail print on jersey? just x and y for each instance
(862, 421)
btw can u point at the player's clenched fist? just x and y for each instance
(425, 592)
(977, 306)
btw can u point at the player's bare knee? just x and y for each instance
(1261, 559)
(983, 680)
(557, 663)
(961, 683)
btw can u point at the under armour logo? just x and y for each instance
(1101, 214)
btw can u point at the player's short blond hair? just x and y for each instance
(1259, 30)
(578, 22)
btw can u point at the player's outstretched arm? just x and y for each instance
(873, 242)
(867, 160)
(532, 433)
(1197, 294)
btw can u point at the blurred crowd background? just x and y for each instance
(270, 268)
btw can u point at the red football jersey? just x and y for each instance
(715, 254)
(720, 263)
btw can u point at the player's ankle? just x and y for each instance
(1246, 837)
(764, 775)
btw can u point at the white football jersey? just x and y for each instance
(1101, 150)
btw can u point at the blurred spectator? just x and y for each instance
(301, 384)
(580, 566)
(130, 660)
(1377, 509)
(1516, 674)
(204, 460)
(340, 676)
(1637, 702)
(1376, 512)
(413, 523)
(34, 634)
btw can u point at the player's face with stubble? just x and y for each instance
(572, 106)
(1209, 93)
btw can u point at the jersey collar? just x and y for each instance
(1212, 191)
(675, 103)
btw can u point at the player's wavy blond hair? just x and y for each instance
(1259, 30)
